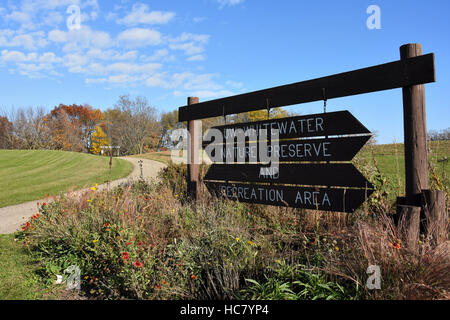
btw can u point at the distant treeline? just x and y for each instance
(434, 135)
(132, 124)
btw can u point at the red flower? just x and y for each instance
(128, 243)
(44, 204)
(106, 225)
(396, 245)
(140, 244)
(194, 277)
(125, 255)
(138, 264)
(37, 215)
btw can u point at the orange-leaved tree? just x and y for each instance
(73, 125)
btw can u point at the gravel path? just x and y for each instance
(12, 217)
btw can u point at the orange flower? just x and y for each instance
(396, 245)
(193, 277)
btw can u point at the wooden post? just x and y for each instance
(409, 220)
(415, 133)
(436, 215)
(193, 154)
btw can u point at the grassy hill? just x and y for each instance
(391, 162)
(32, 174)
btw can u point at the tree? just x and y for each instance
(31, 130)
(138, 125)
(6, 131)
(435, 135)
(73, 126)
(274, 113)
(373, 139)
(66, 133)
(98, 139)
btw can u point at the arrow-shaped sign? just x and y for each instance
(329, 149)
(326, 199)
(322, 124)
(333, 174)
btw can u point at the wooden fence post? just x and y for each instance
(436, 217)
(415, 133)
(409, 221)
(432, 203)
(193, 154)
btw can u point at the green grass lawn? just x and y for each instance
(19, 279)
(32, 174)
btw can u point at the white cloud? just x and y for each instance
(75, 62)
(53, 18)
(189, 48)
(198, 57)
(140, 14)
(132, 56)
(161, 54)
(230, 3)
(191, 44)
(187, 83)
(139, 37)
(185, 36)
(16, 56)
(31, 65)
(29, 41)
(76, 40)
(20, 17)
(97, 53)
(57, 36)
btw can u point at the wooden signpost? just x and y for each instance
(410, 73)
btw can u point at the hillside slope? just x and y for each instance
(32, 174)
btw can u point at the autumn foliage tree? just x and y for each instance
(73, 125)
(99, 139)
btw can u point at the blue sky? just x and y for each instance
(169, 50)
